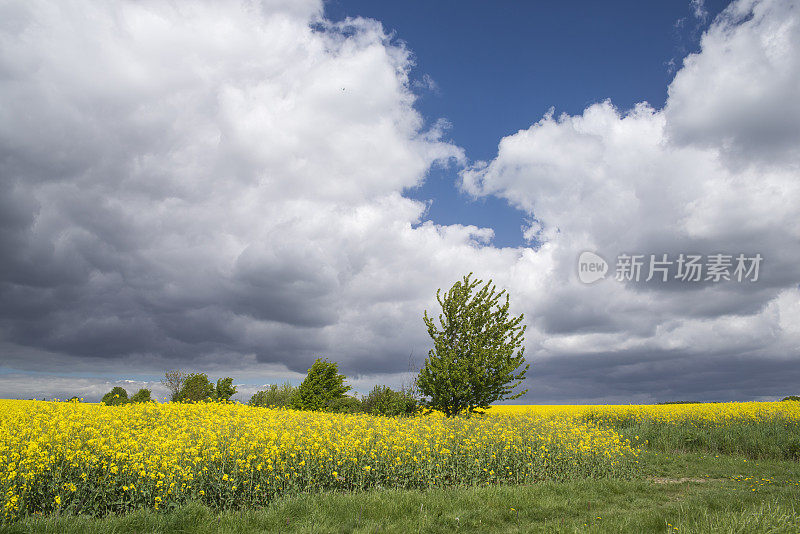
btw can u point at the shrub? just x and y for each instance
(345, 404)
(197, 387)
(323, 385)
(276, 396)
(143, 395)
(174, 380)
(225, 389)
(791, 398)
(383, 400)
(115, 397)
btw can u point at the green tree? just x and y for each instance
(115, 397)
(225, 389)
(378, 401)
(345, 404)
(197, 387)
(383, 400)
(143, 395)
(477, 356)
(322, 387)
(173, 380)
(276, 396)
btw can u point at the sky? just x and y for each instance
(240, 188)
(497, 66)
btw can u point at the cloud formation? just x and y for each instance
(715, 171)
(215, 180)
(220, 186)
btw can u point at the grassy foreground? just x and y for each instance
(678, 492)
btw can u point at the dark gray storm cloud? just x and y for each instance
(660, 376)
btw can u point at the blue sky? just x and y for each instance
(500, 66)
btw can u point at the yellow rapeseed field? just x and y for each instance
(717, 414)
(88, 458)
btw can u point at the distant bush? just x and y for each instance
(276, 396)
(791, 398)
(115, 397)
(322, 387)
(197, 387)
(383, 400)
(346, 404)
(143, 395)
(225, 389)
(173, 380)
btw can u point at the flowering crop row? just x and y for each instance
(699, 414)
(83, 458)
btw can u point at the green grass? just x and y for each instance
(689, 491)
(777, 437)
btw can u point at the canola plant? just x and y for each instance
(67, 457)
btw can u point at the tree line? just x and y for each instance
(477, 359)
(184, 387)
(324, 389)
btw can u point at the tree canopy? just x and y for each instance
(477, 355)
(197, 387)
(173, 380)
(322, 387)
(115, 397)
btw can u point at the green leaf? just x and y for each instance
(477, 355)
